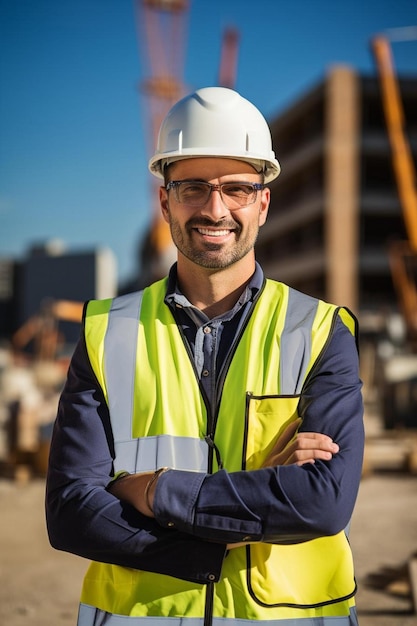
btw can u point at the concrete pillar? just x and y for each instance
(341, 186)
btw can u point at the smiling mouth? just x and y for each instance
(213, 233)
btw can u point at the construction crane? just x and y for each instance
(402, 254)
(161, 30)
(228, 59)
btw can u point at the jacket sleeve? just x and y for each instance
(288, 503)
(84, 518)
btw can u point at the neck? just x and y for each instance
(213, 291)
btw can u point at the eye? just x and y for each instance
(238, 189)
(193, 189)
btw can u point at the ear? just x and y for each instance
(163, 201)
(264, 206)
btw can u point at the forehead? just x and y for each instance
(210, 168)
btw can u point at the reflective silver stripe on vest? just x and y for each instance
(299, 319)
(295, 354)
(90, 616)
(121, 343)
(148, 453)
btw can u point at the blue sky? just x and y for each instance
(73, 126)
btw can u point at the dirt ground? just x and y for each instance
(40, 587)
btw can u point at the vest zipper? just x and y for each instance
(226, 364)
(208, 609)
(208, 439)
(211, 428)
(209, 431)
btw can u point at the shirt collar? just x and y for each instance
(175, 298)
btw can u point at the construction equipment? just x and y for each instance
(43, 329)
(30, 387)
(396, 379)
(403, 255)
(161, 31)
(398, 369)
(228, 59)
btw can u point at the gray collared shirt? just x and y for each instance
(210, 340)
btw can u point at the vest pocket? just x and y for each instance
(305, 575)
(308, 574)
(266, 419)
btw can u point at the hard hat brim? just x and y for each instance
(271, 169)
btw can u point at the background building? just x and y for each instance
(34, 288)
(335, 207)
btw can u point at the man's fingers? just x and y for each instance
(300, 457)
(305, 448)
(285, 438)
(315, 441)
(279, 454)
(293, 447)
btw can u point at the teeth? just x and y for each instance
(213, 233)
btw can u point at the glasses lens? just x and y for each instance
(238, 194)
(235, 195)
(193, 193)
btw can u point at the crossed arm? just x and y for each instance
(292, 447)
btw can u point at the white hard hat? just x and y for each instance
(215, 122)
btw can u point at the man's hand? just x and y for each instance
(132, 489)
(300, 448)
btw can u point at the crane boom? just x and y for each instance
(161, 28)
(402, 254)
(401, 153)
(228, 59)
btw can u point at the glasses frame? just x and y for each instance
(175, 184)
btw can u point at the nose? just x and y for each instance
(214, 207)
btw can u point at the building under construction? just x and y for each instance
(335, 207)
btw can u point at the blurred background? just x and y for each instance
(84, 86)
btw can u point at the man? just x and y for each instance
(208, 445)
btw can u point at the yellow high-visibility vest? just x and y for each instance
(159, 418)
